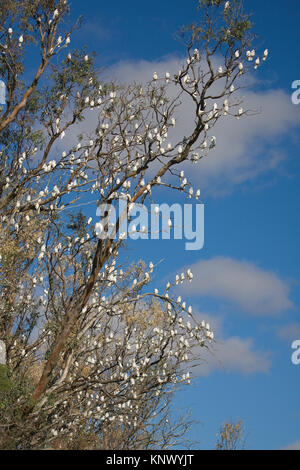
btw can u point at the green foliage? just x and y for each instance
(5, 383)
(15, 393)
(78, 223)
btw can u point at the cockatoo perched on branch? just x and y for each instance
(2, 92)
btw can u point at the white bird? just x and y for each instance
(257, 62)
(195, 157)
(2, 92)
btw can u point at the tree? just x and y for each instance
(231, 436)
(93, 357)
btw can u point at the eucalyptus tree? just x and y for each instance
(93, 353)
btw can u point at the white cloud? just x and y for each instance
(242, 283)
(246, 148)
(231, 355)
(142, 71)
(250, 146)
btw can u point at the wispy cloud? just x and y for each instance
(247, 286)
(232, 354)
(289, 332)
(246, 148)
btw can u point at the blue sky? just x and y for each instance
(252, 231)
